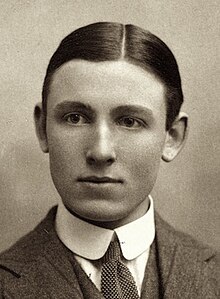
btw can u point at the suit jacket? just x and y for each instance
(40, 266)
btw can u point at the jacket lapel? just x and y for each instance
(41, 280)
(180, 262)
(183, 280)
(56, 259)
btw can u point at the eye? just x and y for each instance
(76, 119)
(130, 122)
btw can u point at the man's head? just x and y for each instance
(111, 102)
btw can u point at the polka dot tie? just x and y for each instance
(117, 281)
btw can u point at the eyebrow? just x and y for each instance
(70, 105)
(133, 109)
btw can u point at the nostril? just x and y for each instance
(110, 161)
(90, 160)
(93, 160)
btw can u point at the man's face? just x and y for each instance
(105, 135)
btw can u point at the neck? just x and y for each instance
(134, 215)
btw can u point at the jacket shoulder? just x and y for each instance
(169, 235)
(38, 266)
(26, 249)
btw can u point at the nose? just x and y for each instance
(101, 152)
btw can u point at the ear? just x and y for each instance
(40, 127)
(176, 137)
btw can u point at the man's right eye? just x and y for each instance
(76, 119)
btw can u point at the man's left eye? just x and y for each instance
(75, 119)
(130, 122)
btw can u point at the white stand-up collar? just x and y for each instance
(91, 241)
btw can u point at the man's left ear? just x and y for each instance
(176, 137)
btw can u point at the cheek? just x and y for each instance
(65, 152)
(143, 157)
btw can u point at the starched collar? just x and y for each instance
(91, 242)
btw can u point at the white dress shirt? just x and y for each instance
(89, 242)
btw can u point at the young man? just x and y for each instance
(110, 113)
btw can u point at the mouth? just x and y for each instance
(99, 180)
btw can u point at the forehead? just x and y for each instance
(107, 84)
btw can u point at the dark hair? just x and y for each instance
(108, 41)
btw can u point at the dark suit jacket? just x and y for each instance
(40, 266)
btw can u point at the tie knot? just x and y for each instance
(113, 252)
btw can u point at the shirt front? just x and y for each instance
(89, 242)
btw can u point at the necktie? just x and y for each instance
(117, 281)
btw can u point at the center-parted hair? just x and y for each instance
(107, 41)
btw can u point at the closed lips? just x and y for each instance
(100, 180)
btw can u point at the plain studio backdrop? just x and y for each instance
(187, 192)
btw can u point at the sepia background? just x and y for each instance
(187, 192)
